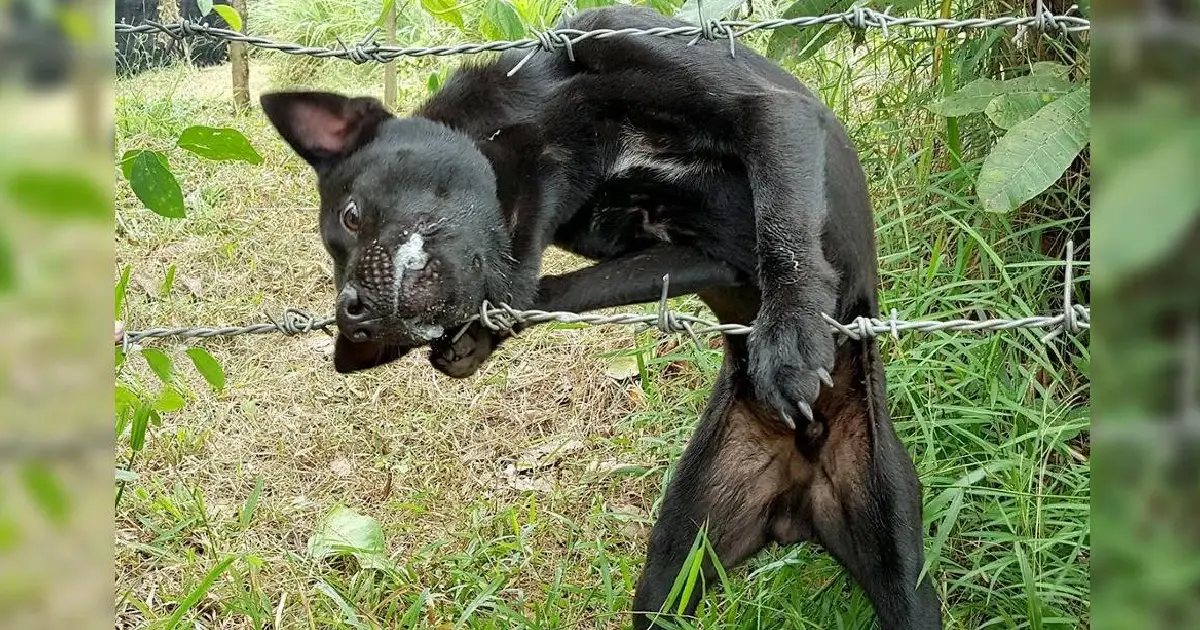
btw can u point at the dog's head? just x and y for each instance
(409, 214)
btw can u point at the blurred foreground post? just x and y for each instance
(241, 65)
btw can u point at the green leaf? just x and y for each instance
(1148, 206)
(500, 21)
(119, 292)
(346, 532)
(975, 96)
(47, 491)
(198, 593)
(218, 144)
(971, 98)
(124, 398)
(381, 21)
(129, 156)
(169, 399)
(1035, 152)
(1007, 110)
(55, 193)
(713, 10)
(434, 82)
(168, 282)
(801, 43)
(230, 15)
(446, 11)
(205, 6)
(141, 423)
(248, 510)
(159, 363)
(593, 4)
(1050, 68)
(208, 367)
(8, 265)
(155, 185)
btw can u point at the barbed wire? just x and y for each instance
(368, 49)
(1073, 319)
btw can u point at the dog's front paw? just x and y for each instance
(462, 357)
(790, 360)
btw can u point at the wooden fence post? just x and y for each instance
(240, 63)
(389, 69)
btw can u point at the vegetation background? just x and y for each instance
(261, 489)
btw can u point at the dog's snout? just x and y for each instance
(354, 318)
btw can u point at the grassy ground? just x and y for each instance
(486, 524)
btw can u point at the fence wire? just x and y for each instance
(1073, 319)
(367, 49)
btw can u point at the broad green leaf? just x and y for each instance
(205, 6)
(1147, 206)
(168, 282)
(713, 10)
(119, 292)
(593, 4)
(446, 11)
(434, 82)
(346, 532)
(124, 398)
(169, 399)
(128, 157)
(218, 144)
(155, 185)
(1007, 110)
(1035, 152)
(500, 21)
(971, 98)
(1050, 68)
(47, 491)
(798, 44)
(56, 193)
(975, 96)
(208, 367)
(159, 363)
(230, 15)
(8, 266)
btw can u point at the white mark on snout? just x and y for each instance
(427, 332)
(410, 254)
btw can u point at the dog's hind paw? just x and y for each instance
(789, 362)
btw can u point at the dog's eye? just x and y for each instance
(351, 217)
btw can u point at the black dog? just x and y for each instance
(651, 157)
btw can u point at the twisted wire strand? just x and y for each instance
(367, 49)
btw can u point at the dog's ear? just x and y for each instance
(354, 357)
(323, 127)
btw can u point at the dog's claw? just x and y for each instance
(806, 410)
(788, 421)
(823, 374)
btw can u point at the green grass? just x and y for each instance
(215, 529)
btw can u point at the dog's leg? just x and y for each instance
(736, 465)
(630, 279)
(750, 482)
(863, 502)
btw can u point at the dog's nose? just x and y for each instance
(353, 317)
